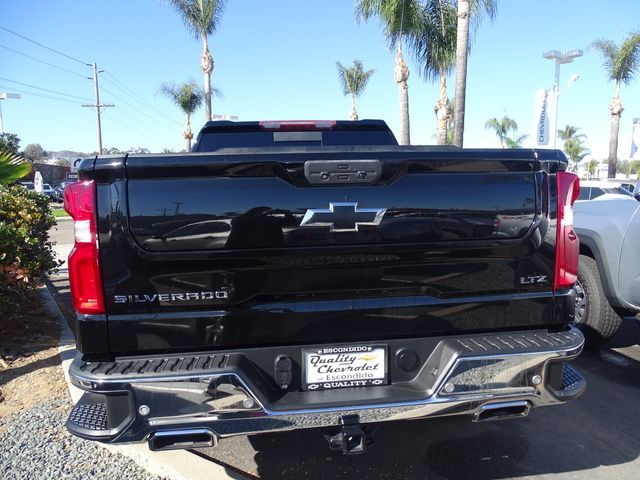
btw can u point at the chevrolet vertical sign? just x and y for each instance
(542, 117)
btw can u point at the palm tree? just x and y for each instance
(575, 150)
(12, 167)
(202, 17)
(400, 19)
(573, 144)
(502, 128)
(354, 80)
(620, 63)
(188, 97)
(516, 141)
(570, 131)
(467, 10)
(592, 168)
(434, 49)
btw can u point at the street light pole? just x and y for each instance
(556, 99)
(560, 58)
(4, 96)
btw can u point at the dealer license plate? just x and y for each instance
(345, 366)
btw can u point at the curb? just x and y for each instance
(173, 465)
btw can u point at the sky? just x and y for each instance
(276, 60)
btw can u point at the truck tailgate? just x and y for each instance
(247, 247)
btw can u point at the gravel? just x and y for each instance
(34, 443)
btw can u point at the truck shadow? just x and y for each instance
(598, 429)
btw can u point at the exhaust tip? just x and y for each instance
(502, 411)
(182, 439)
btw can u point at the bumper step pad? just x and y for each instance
(99, 417)
(90, 416)
(573, 384)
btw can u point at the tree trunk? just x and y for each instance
(401, 75)
(462, 49)
(616, 111)
(206, 64)
(187, 134)
(354, 114)
(443, 110)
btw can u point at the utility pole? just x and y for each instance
(97, 105)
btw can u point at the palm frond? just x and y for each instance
(502, 127)
(628, 58)
(609, 51)
(398, 17)
(353, 79)
(515, 142)
(201, 17)
(575, 149)
(342, 76)
(433, 45)
(569, 131)
(492, 124)
(478, 10)
(187, 96)
(12, 167)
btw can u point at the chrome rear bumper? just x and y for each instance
(486, 376)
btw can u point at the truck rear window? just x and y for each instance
(215, 141)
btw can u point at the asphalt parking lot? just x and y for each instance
(596, 436)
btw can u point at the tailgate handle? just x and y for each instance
(333, 172)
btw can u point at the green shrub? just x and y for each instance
(26, 254)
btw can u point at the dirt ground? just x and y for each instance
(30, 370)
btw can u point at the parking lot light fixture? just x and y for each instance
(560, 58)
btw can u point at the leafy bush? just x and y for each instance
(26, 254)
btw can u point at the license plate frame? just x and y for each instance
(373, 372)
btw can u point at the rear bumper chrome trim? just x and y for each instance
(469, 375)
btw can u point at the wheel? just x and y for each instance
(597, 320)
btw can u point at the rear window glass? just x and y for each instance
(214, 141)
(618, 191)
(584, 193)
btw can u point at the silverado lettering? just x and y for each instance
(171, 297)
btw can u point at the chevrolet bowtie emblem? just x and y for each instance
(343, 216)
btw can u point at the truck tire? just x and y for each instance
(594, 316)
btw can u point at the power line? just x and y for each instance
(124, 88)
(38, 95)
(45, 89)
(138, 110)
(43, 46)
(42, 61)
(123, 121)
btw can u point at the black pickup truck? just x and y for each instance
(289, 275)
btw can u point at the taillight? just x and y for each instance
(567, 243)
(297, 124)
(84, 263)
